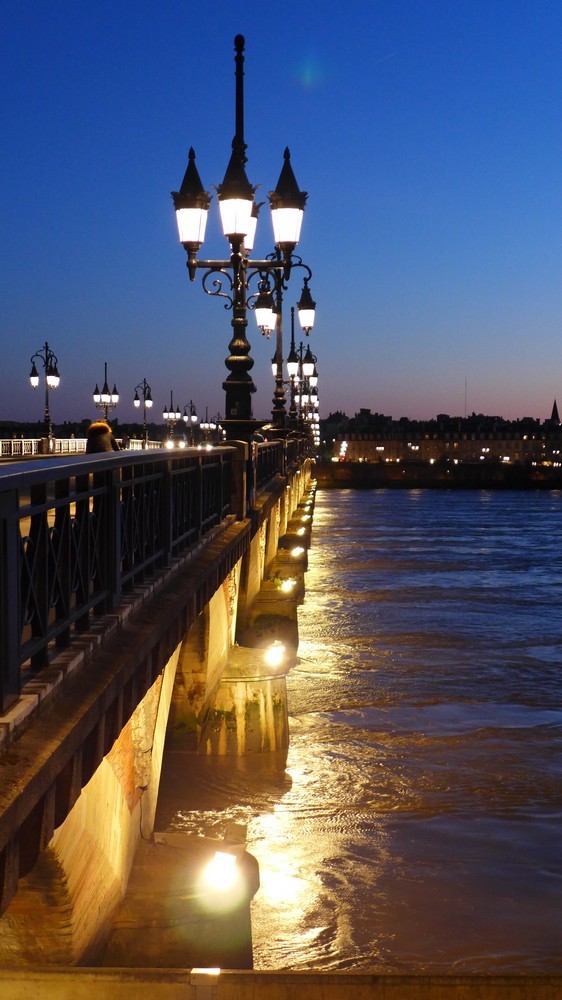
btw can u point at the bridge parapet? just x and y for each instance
(78, 533)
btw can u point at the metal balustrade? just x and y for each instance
(294, 447)
(276, 457)
(78, 533)
(269, 462)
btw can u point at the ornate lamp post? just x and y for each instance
(171, 416)
(190, 418)
(268, 308)
(302, 371)
(52, 379)
(146, 394)
(230, 279)
(105, 400)
(206, 426)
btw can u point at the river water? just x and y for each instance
(416, 824)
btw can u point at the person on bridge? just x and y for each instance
(100, 438)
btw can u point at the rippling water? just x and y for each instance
(416, 824)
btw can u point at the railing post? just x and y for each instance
(39, 542)
(112, 534)
(226, 484)
(61, 550)
(167, 502)
(239, 481)
(9, 600)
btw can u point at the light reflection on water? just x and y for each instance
(415, 826)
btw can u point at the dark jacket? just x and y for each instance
(100, 438)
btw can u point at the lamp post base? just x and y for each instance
(241, 430)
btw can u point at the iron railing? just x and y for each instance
(77, 533)
(269, 462)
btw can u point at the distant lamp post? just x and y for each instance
(105, 400)
(208, 427)
(171, 416)
(52, 379)
(190, 418)
(230, 279)
(268, 309)
(303, 375)
(293, 371)
(146, 394)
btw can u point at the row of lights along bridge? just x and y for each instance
(231, 280)
(303, 381)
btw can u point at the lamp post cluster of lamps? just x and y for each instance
(230, 279)
(105, 400)
(303, 381)
(173, 416)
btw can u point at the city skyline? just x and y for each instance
(427, 139)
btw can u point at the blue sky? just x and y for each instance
(426, 132)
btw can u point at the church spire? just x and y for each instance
(555, 419)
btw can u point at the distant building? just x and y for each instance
(374, 437)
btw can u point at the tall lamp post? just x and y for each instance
(301, 369)
(52, 378)
(230, 279)
(269, 315)
(146, 393)
(171, 416)
(105, 400)
(190, 418)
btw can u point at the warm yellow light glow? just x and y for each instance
(275, 654)
(288, 585)
(301, 531)
(221, 873)
(297, 551)
(305, 517)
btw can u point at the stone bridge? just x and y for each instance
(138, 591)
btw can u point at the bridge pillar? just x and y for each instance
(249, 712)
(203, 656)
(63, 908)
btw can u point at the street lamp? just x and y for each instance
(301, 369)
(230, 279)
(171, 416)
(268, 309)
(146, 394)
(190, 418)
(303, 375)
(105, 400)
(52, 379)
